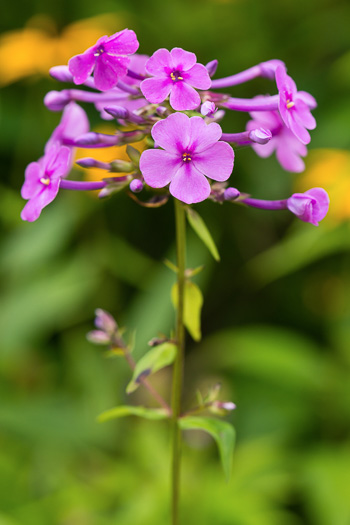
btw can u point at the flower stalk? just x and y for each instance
(180, 225)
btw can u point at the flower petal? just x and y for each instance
(108, 70)
(158, 167)
(289, 159)
(322, 198)
(160, 63)
(216, 162)
(202, 135)
(32, 186)
(304, 114)
(173, 133)
(298, 129)
(155, 90)
(81, 66)
(198, 77)
(285, 82)
(122, 43)
(32, 209)
(183, 97)
(182, 60)
(189, 185)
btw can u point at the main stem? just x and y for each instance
(180, 224)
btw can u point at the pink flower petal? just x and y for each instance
(122, 43)
(182, 60)
(183, 97)
(198, 77)
(32, 186)
(216, 162)
(60, 164)
(308, 99)
(155, 90)
(289, 159)
(32, 209)
(158, 167)
(109, 70)
(173, 133)
(322, 198)
(189, 185)
(81, 66)
(298, 129)
(285, 82)
(265, 150)
(304, 114)
(160, 63)
(203, 135)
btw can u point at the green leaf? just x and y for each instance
(221, 431)
(193, 302)
(125, 410)
(202, 231)
(155, 359)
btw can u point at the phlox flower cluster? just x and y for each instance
(171, 100)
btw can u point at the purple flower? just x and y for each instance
(311, 206)
(294, 106)
(287, 146)
(74, 123)
(191, 152)
(176, 73)
(42, 180)
(108, 59)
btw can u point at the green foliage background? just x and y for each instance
(276, 316)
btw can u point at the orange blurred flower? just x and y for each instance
(37, 47)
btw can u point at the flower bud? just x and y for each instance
(61, 73)
(212, 67)
(105, 321)
(136, 186)
(231, 194)
(260, 135)
(56, 100)
(268, 69)
(311, 206)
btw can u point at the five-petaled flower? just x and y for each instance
(176, 73)
(294, 106)
(191, 152)
(108, 59)
(311, 206)
(42, 180)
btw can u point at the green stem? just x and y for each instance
(180, 224)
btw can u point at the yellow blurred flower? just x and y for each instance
(37, 47)
(329, 169)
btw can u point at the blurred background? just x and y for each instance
(276, 315)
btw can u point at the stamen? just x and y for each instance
(45, 181)
(186, 157)
(175, 76)
(290, 104)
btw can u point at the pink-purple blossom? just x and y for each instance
(311, 206)
(294, 106)
(287, 146)
(42, 180)
(108, 59)
(191, 152)
(175, 73)
(74, 123)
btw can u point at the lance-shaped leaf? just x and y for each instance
(155, 359)
(125, 410)
(193, 302)
(202, 231)
(221, 431)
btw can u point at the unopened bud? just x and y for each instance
(121, 166)
(105, 321)
(208, 108)
(93, 163)
(268, 69)
(56, 100)
(260, 135)
(136, 186)
(212, 67)
(61, 73)
(117, 112)
(231, 194)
